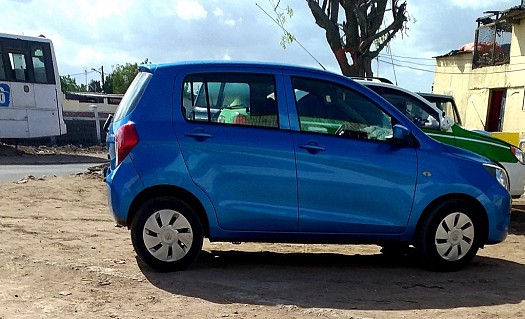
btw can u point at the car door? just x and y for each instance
(351, 177)
(237, 153)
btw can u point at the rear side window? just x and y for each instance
(227, 98)
(132, 96)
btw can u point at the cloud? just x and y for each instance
(190, 10)
(218, 12)
(91, 33)
(480, 5)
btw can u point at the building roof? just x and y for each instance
(514, 14)
(511, 15)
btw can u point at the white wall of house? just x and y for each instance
(471, 88)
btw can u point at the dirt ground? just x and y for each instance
(62, 257)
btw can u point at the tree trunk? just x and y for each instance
(359, 32)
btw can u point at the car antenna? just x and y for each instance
(479, 117)
(298, 42)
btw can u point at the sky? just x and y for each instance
(95, 33)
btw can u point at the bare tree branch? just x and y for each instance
(360, 28)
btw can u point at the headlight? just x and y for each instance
(499, 174)
(518, 153)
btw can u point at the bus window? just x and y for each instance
(39, 65)
(2, 67)
(18, 64)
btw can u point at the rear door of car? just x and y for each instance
(246, 167)
(351, 177)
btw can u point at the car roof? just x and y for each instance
(246, 64)
(435, 95)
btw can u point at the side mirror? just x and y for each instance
(400, 133)
(446, 123)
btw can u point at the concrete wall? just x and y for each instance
(80, 132)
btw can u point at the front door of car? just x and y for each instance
(235, 151)
(352, 178)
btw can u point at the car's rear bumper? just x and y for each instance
(122, 184)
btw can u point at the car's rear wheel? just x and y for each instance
(449, 236)
(167, 234)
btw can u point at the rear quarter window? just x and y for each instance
(132, 96)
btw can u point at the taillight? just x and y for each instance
(126, 139)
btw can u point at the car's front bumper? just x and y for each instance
(516, 172)
(497, 203)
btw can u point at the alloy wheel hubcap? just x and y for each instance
(167, 235)
(454, 236)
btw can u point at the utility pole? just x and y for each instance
(101, 71)
(102, 77)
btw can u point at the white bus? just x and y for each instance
(30, 93)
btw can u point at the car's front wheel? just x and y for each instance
(449, 236)
(167, 234)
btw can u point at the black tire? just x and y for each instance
(449, 237)
(167, 234)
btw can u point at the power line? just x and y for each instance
(412, 58)
(79, 74)
(451, 73)
(390, 57)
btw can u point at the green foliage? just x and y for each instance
(116, 82)
(280, 18)
(119, 80)
(68, 84)
(94, 86)
(108, 84)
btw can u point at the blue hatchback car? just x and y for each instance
(263, 152)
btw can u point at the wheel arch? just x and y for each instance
(170, 191)
(478, 209)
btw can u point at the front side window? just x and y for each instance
(446, 105)
(328, 108)
(449, 110)
(230, 99)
